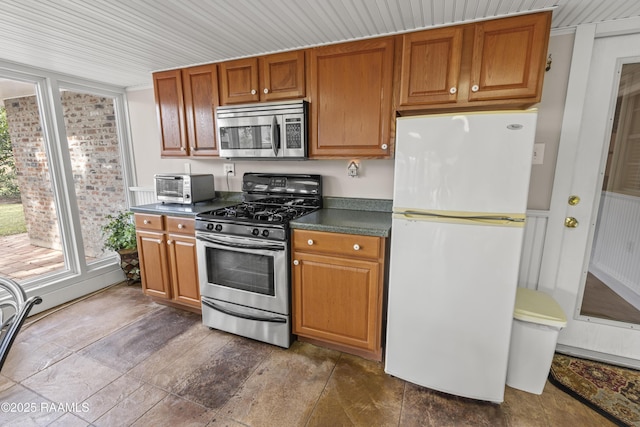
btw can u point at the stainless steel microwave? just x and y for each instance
(183, 188)
(275, 130)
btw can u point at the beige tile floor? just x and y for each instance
(117, 359)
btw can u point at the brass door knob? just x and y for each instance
(570, 222)
(574, 200)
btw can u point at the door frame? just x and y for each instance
(557, 238)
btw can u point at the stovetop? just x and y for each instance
(259, 212)
(270, 202)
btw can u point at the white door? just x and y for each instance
(584, 144)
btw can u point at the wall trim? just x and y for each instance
(598, 356)
(535, 231)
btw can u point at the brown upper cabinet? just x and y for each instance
(185, 103)
(431, 66)
(355, 89)
(351, 99)
(266, 78)
(487, 64)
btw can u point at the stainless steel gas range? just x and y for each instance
(243, 256)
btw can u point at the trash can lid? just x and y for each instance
(538, 307)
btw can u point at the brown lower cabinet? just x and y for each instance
(337, 291)
(168, 259)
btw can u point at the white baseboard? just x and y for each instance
(54, 297)
(599, 357)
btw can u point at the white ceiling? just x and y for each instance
(122, 41)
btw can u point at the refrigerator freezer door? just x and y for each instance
(452, 290)
(479, 162)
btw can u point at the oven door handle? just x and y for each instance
(243, 315)
(275, 136)
(241, 245)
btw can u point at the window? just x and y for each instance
(78, 144)
(625, 150)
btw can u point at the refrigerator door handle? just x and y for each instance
(506, 218)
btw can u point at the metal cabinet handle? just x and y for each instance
(146, 221)
(296, 262)
(181, 226)
(356, 247)
(309, 242)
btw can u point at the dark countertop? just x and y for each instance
(368, 217)
(175, 209)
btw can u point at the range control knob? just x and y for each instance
(209, 227)
(265, 233)
(255, 232)
(218, 227)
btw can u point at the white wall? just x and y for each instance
(376, 180)
(550, 114)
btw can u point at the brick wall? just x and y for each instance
(95, 158)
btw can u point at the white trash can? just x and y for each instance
(537, 320)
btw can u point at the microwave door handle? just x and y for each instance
(275, 136)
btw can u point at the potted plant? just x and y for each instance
(120, 236)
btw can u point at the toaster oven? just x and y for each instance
(184, 188)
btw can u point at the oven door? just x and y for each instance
(244, 271)
(171, 188)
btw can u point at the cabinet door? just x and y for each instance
(431, 66)
(239, 81)
(184, 269)
(351, 86)
(167, 86)
(200, 86)
(337, 300)
(154, 270)
(282, 76)
(509, 58)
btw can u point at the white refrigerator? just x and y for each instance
(460, 194)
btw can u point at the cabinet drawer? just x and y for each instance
(352, 245)
(149, 222)
(181, 225)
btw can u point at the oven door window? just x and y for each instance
(241, 270)
(245, 137)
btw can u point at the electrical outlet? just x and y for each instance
(229, 169)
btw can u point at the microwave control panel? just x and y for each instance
(293, 132)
